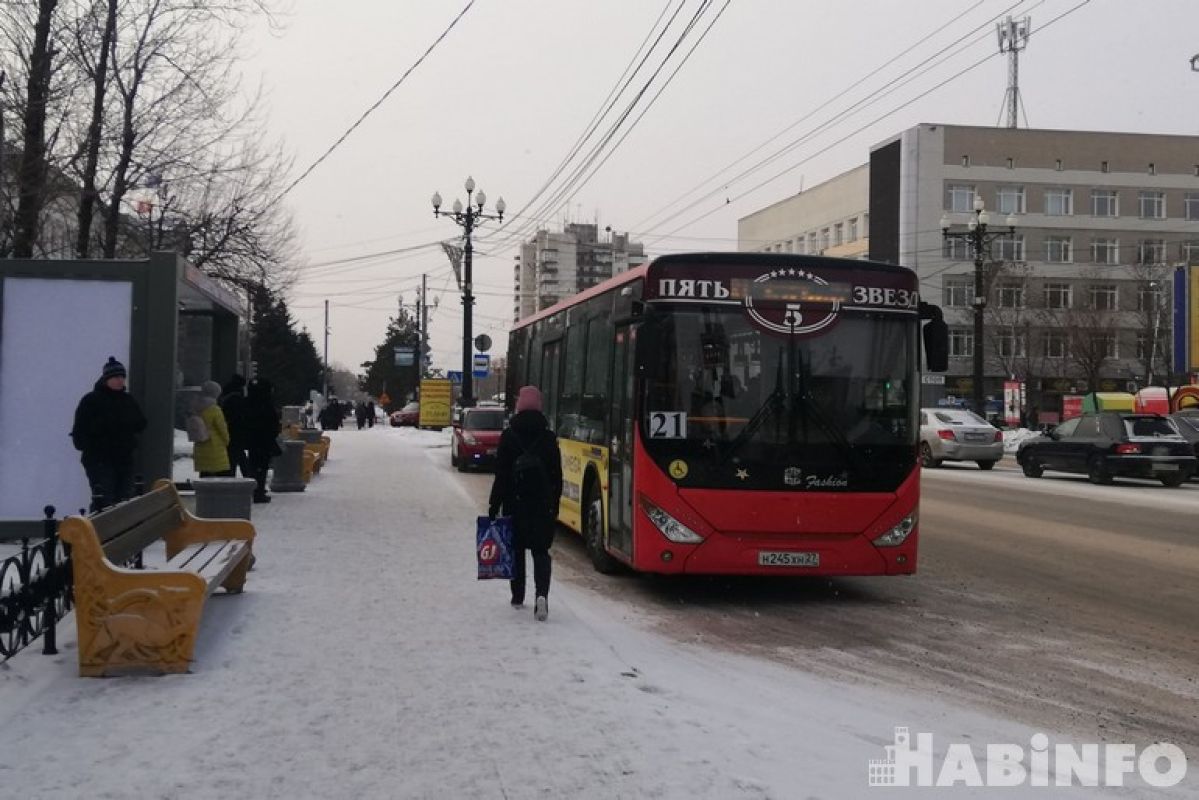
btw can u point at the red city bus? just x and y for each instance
(738, 413)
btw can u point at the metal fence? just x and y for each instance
(35, 584)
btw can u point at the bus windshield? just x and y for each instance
(743, 408)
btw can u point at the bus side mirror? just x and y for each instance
(936, 338)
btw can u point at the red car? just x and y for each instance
(476, 437)
(408, 415)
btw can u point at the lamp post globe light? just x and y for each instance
(978, 238)
(468, 217)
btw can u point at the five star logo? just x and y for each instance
(791, 317)
(742, 474)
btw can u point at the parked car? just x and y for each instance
(476, 437)
(955, 434)
(408, 415)
(1112, 444)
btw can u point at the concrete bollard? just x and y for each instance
(288, 469)
(224, 498)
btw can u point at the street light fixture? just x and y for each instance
(468, 217)
(979, 239)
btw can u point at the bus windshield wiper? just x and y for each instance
(804, 401)
(770, 406)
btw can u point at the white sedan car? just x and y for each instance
(955, 434)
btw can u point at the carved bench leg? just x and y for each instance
(236, 582)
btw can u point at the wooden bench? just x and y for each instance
(148, 618)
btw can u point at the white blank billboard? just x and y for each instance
(55, 336)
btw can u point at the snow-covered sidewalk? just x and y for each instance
(365, 661)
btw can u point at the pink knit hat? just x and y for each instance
(529, 399)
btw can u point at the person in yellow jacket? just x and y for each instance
(211, 456)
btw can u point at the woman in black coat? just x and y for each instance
(262, 427)
(529, 492)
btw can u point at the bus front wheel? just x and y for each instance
(593, 532)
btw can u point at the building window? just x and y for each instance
(813, 249)
(1054, 344)
(956, 249)
(1059, 202)
(965, 161)
(1010, 344)
(1057, 164)
(1059, 249)
(1058, 295)
(1010, 295)
(1151, 251)
(1148, 297)
(1108, 344)
(824, 239)
(961, 343)
(1011, 163)
(1192, 206)
(961, 198)
(1105, 203)
(1105, 251)
(853, 229)
(1011, 199)
(957, 294)
(1190, 253)
(1104, 297)
(1103, 166)
(1152, 168)
(865, 224)
(1010, 248)
(838, 235)
(1153, 205)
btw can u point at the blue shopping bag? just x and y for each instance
(493, 547)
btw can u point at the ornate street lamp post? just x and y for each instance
(978, 238)
(468, 217)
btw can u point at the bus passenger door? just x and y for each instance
(620, 454)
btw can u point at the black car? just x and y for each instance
(1112, 444)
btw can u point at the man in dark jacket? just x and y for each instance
(263, 425)
(233, 404)
(107, 423)
(529, 491)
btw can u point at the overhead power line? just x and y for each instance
(369, 111)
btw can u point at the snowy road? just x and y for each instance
(1053, 601)
(365, 661)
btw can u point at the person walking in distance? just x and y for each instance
(528, 488)
(107, 423)
(233, 406)
(263, 425)
(211, 435)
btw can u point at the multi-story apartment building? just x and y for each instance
(831, 218)
(1077, 299)
(553, 266)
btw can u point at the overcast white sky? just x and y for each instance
(507, 93)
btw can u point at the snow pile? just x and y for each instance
(364, 660)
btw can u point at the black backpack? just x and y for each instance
(530, 481)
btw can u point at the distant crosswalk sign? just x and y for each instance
(481, 366)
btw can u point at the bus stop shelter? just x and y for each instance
(60, 320)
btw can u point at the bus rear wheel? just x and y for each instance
(593, 532)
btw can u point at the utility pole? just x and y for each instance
(979, 241)
(325, 371)
(424, 325)
(1013, 37)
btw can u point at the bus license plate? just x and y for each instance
(787, 558)
(1165, 467)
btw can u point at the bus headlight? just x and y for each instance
(898, 534)
(670, 527)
